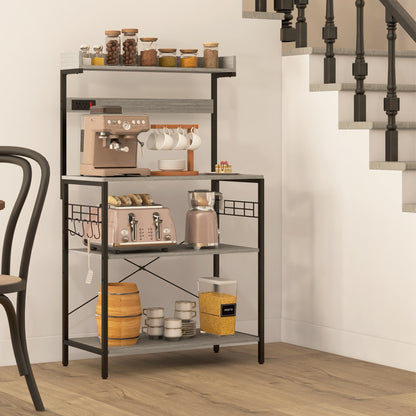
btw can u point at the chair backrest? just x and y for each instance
(18, 156)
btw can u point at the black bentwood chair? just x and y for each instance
(17, 283)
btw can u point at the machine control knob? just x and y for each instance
(124, 232)
(168, 237)
(133, 122)
(125, 239)
(108, 121)
(126, 125)
(143, 121)
(118, 121)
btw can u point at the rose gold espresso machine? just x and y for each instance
(111, 143)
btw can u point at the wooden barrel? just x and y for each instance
(124, 314)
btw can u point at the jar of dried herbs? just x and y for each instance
(189, 58)
(148, 53)
(210, 55)
(167, 57)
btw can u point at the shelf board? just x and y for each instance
(148, 346)
(200, 177)
(73, 61)
(147, 105)
(173, 252)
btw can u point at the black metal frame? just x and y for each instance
(215, 185)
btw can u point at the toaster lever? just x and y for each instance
(157, 220)
(133, 222)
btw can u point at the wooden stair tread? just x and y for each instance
(263, 15)
(374, 125)
(398, 166)
(344, 51)
(350, 86)
(409, 208)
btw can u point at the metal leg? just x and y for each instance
(65, 274)
(104, 281)
(30, 379)
(260, 199)
(14, 334)
(216, 348)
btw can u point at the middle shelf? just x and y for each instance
(172, 252)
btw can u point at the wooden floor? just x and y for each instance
(293, 381)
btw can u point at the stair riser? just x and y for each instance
(409, 187)
(375, 103)
(407, 145)
(377, 69)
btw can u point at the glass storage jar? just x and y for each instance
(210, 55)
(112, 45)
(148, 53)
(130, 53)
(85, 54)
(98, 56)
(189, 58)
(167, 57)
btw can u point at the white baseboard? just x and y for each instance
(49, 349)
(350, 344)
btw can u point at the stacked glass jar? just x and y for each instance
(130, 52)
(112, 44)
(167, 57)
(148, 53)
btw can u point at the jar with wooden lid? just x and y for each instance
(167, 57)
(130, 51)
(210, 55)
(112, 46)
(189, 58)
(148, 53)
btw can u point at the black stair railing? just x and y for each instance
(287, 32)
(301, 24)
(261, 5)
(329, 35)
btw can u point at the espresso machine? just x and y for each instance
(201, 219)
(111, 143)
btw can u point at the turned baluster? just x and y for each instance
(360, 67)
(287, 32)
(329, 35)
(391, 102)
(261, 5)
(301, 25)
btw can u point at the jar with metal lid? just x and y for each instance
(112, 45)
(167, 57)
(98, 56)
(210, 55)
(130, 52)
(85, 54)
(148, 52)
(189, 58)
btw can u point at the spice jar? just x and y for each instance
(85, 54)
(112, 44)
(189, 58)
(98, 57)
(210, 55)
(148, 53)
(167, 57)
(130, 54)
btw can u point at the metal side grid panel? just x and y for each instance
(84, 220)
(237, 208)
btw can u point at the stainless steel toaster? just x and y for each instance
(136, 227)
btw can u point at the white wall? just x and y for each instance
(348, 250)
(249, 136)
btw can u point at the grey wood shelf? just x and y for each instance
(73, 61)
(200, 177)
(172, 252)
(149, 346)
(147, 105)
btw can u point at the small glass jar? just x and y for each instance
(148, 53)
(112, 45)
(130, 52)
(189, 58)
(98, 56)
(210, 55)
(85, 54)
(167, 57)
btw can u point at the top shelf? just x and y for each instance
(72, 62)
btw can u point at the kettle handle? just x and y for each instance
(220, 198)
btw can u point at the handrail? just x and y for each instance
(402, 16)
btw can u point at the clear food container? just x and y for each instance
(217, 305)
(189, 58)
(86, 55)
(210, 55)
(148, 53)
(167, 57)
(112, 46)
(98, 56)
(130, 51)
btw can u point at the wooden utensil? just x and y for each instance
(2, 205)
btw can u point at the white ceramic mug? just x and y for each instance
(154, 312)
(151, 140)
(194, 140)
(180, 141)
(174, 333)
(185, 305)
(153, 331)
(164, 140)
(185, 314)
(173, 323)
(154, 321)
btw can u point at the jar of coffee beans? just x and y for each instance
(189, 58)
(167, 57)
(112, 45)
(148, 52)
(130, 53)
(210, 55)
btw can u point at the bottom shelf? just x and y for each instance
(149, 346)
